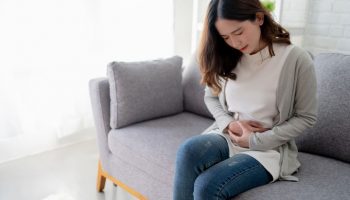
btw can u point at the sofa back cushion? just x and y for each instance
(193, 90)
(331, 134)
(144, 90)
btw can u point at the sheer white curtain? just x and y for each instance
(49, 49)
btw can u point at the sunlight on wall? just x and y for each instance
(50, 49)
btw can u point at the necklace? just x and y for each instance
(261, 56)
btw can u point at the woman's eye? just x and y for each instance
(240, 33)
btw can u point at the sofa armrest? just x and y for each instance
(100, 102)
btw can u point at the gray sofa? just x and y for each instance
(137, 149)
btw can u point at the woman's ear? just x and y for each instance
(259, 18)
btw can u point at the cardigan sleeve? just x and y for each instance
(222, 118)
(304, 107)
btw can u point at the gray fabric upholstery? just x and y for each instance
(193, 90)
(100, 102)
(331, 134)
(140, 180)
(319, 178)
(144, 90)
(150, 147)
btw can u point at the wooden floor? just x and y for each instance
(64, 174)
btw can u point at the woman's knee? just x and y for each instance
(188, 149)
(200, 145)
(230, 178)
(207, 188)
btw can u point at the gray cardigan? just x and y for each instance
(296, 104)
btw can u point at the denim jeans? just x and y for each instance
(204, 170)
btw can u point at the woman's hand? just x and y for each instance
(240, 131)
(251, 125)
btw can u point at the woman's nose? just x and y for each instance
(235, 43)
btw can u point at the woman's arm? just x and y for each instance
(214, 106)
(305, 112)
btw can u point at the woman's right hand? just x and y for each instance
(252, 126)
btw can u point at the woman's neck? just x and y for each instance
(262, 45)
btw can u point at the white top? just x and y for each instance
(256, 85)
(252, 96)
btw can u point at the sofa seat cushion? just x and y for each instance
(320, 178)
(151, 146)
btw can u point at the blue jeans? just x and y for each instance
(204, 170)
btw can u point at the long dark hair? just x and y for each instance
(216, 58)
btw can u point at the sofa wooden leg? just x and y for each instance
(101, 179)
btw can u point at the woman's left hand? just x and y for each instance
(242, 140)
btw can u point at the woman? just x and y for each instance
(261, 90)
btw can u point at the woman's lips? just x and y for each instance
(244, 48)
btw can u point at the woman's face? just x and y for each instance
(241, 35)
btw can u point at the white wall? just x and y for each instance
(183, 28)
(187, 24)
(318, 25)
(328, 26)
(294, 17)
